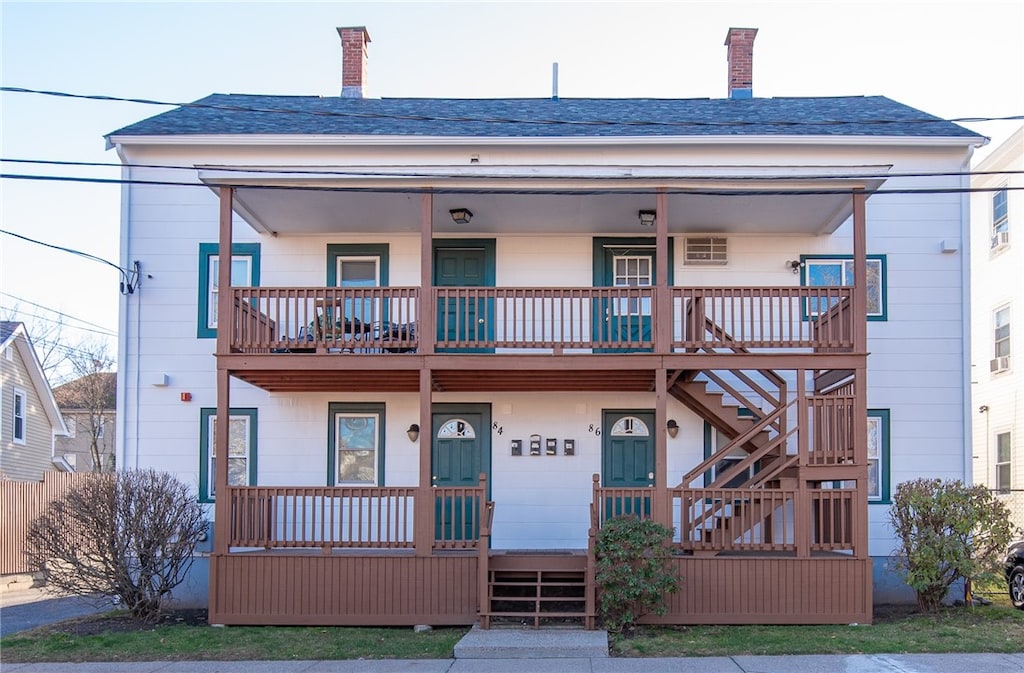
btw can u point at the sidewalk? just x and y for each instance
(859, 663)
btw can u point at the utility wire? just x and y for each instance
(60, 313)
(355, 172)
(61, 323)
(128, 276)
(515, 191)
(502, 120)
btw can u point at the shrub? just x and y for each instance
(947, 531)
(634, 574)
(130, 535)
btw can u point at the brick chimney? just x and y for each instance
(740, 42)
(353, 60)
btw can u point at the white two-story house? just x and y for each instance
(415, 352)
(997, 211)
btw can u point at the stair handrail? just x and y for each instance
(739, 440)
(740, 397)
(765, 476)
(743, 465)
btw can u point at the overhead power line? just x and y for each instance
(129, 277)
(358, 172)
(503, 120)
(702, 191)
(105, 330)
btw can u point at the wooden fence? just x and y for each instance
(20, 503)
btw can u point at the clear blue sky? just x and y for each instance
(952, 59)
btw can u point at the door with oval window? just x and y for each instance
(460, 452)
(627, 461)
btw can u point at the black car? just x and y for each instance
(1015, 574)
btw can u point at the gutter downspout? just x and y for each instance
(965, 316)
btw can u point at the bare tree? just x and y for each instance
(131, 535)
(91, 396)
(47, 336)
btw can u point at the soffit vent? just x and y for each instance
(706, 250)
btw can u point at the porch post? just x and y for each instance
(426, 330)
(663, 300)
(802, 520)
(662, 503)
(221, 508)
(424, 508)
(860, 381)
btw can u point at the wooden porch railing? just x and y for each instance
(328, 517)
(761, 317)
(715, 520)
(302, 319)
(384, 319)
(831, 420)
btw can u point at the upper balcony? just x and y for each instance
(540, 320)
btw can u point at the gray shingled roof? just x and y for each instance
(233, 114)
(7, 328)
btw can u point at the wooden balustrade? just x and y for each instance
(761, 317)
(328, 517)
(831, 421)
(324, 517)
(716, 519)
(384, 319)
(302, 319)
(833, 519)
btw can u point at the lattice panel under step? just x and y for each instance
(537, 596)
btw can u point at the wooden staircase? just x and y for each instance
(538, 588)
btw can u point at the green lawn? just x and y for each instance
(113, 637)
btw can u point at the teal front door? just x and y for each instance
(465, 320)
(460, 452)
(626, 319)
(627, 461)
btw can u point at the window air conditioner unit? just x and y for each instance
(1000, 364)
(1000, 240)
(706, 250)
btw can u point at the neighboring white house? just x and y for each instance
(29, 417)
(997, 298)
(745, 317)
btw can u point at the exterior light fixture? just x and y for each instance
(672, 427)
(413, 432)
(795, 265)
(461, 215)
(647, 217)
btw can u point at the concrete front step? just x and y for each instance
(532, 644)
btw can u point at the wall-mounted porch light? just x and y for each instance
(647, 217)
(461, 215)
(413, 432)
(672, 427)
(795, 265)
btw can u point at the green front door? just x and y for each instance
(627, 460)
(467, 320)
(460, 452)
(625, 263)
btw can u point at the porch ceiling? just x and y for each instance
(407, 381)
(513, 203)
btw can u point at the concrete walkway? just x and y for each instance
(875, 663)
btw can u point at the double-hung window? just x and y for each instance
(241, 453)
(245, 272)
(1000, 340)
(1000, 214)
(1003, 454)
(18, 424)
(356, 439)
(878, 455)
(837, 271)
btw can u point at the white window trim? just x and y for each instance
(338, 418)
(19, 392)
(213, 289)
(1003, 223)
(211, 476)
(1008, 463)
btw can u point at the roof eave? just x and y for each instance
(364, 140)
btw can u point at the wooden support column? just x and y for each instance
(662, 503)
(663, 300)
(424, 508)
(802, 520)
(221, 508)
(860, 381)
(426, 331)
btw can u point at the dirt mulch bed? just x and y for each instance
(122, 622)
